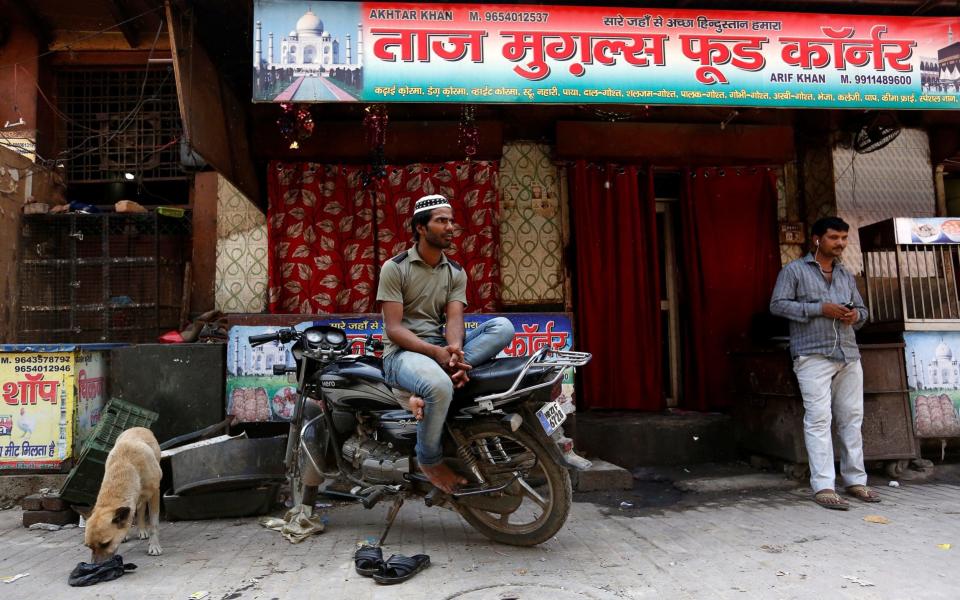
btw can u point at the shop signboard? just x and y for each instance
(36, 415)
(254, 393)
(927, 230)
(933, 378)
(541, 54)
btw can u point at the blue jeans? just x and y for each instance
(422, 375)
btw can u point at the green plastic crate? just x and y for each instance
(118, 416)
(83, 482)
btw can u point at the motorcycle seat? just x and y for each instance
(496, 376)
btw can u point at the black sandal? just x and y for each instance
(368, 560)
(399, 568)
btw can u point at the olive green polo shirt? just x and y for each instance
(424, 292)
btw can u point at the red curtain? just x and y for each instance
(327, 241)
(617, 286)
(731, 257)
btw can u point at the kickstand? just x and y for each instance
(391, 517)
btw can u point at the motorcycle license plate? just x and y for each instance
(551, 416)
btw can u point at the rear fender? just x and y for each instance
(532, 426)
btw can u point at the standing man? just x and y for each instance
(422, 290)
(819, 296)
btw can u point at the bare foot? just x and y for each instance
(442, 477)
(416, 407)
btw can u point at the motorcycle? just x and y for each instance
(348, 425)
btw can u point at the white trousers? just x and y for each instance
(830, 386)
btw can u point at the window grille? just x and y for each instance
(118, 122)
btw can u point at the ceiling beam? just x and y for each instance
(120, 14)
(29, 18)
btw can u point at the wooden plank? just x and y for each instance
(84, 58)
(203, 263)
(675, 143)
(214, 121)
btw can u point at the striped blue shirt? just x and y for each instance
(799, 295)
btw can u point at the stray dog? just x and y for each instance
(131, 481)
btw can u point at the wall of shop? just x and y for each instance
(21, 181)
(895, 181)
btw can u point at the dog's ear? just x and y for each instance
(120, 516)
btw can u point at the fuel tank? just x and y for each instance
(357, 384)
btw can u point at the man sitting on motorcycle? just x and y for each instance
(421, 290)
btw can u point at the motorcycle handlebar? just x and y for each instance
(263, 338)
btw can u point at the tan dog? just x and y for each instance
(131, 481)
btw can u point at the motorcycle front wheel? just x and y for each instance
(535, 506)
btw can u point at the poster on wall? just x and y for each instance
(933, 378)
(90, 391)
(539, 54)
(254, 393)
(36, 415)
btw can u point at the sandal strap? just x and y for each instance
(829, 497)
(368, 553)
(399, 565)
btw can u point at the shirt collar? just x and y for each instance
(809, 258)
(415, 256)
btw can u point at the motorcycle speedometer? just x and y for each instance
(335, 337)
(313, 336)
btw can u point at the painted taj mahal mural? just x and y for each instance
(307, 51)
(933, 379)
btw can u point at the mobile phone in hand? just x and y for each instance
(848, 305)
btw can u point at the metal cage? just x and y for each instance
(108, 277)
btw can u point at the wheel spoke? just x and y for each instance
(531, 493)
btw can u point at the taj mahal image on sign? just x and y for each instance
(933, 378)
(307, 51)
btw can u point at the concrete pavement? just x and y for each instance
(763, 544)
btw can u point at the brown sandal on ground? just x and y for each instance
(862, 492)
(830, 499)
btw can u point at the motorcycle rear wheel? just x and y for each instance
(546, 490)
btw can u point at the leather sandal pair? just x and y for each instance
(830, 499)
(368, 562)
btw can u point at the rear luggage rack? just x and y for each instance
(544, 357)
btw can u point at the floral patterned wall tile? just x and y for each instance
(531, 246)
(241, 285)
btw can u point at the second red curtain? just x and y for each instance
(731, 259)
(617, 287)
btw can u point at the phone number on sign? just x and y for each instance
(41, 359)
(41, 368)
(517, 17)
(883, 79)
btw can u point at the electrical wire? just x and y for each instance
(128, 119)
(125, 123)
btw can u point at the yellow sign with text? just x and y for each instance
(36, 414)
